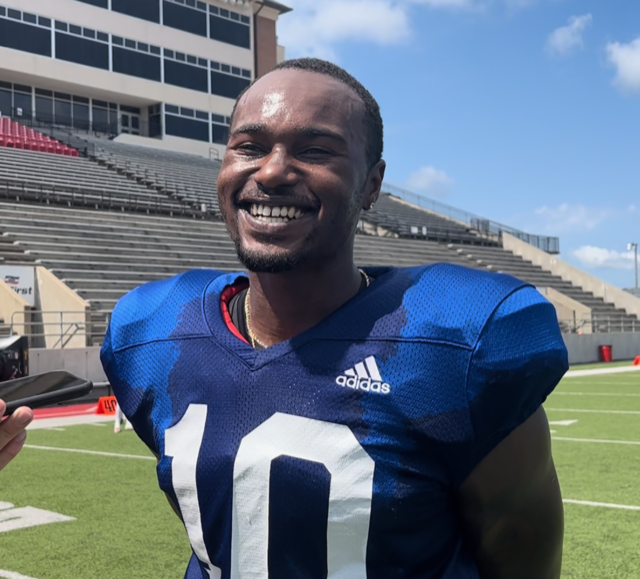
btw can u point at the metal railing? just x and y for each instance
(599, 324)
(60, 326)
(477, 223)
(46, 122)
(20, 190)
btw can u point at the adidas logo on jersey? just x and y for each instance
(364, 376)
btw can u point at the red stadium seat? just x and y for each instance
(17, 136)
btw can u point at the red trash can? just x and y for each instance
(606, 353)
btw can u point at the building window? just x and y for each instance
(98, 3)
(44, 105)
(136, 59)
(227, 85)
(22, 103)
(144, 9)
(229, 31)
(220, 129)
(193, 76)
(190, 19)
(26, 36)
(82, 46)
(186, 123)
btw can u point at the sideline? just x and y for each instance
(636, 412)
(604, 505)
(596, 440)
(598, 371)
(92, 452)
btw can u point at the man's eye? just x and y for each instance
(315, 151)
(250, 148)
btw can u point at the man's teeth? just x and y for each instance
(275, 214)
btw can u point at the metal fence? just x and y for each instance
(601, 324)
(480, 224)
(57, 329)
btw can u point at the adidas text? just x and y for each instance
(366, 384)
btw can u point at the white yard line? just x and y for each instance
(598, 371)
(597, 440)
(592, 382)
(93, 452)
(62, 421)
(635, 412)
(604, 505)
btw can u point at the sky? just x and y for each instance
(526, 112)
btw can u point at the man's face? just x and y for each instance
(292, 180)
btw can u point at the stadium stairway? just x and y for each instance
(102, 255)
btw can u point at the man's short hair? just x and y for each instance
(372, 117)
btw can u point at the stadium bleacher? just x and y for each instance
(102, 247)
(188, 178)
(406, 220)
(32, 175)
(102, 255)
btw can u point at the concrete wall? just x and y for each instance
(601, 289)
(83, 362)
(10, 303)
(583, 349)
(567, 309)
(170, 143)
(54, 296)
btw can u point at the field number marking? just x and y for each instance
(12, 575)
(563, 422)
(12, 519)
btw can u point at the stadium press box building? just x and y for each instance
(161, 73)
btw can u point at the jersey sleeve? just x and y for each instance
(518, 360)
(129, 399)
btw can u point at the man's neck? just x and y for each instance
(285, 305)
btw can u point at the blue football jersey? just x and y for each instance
(337, 453)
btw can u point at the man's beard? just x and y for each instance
(269, 262)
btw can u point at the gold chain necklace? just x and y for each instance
(247, 312)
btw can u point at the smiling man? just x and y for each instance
(318, 420)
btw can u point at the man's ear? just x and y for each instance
(373, 185)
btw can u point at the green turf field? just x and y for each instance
(125, 528)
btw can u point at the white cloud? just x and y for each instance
(625, 58)
(591, 256)
(430, 181)
(566, 39)
(568, 217)
(316, 27)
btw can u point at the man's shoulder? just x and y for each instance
(454, 303)
(155, 310)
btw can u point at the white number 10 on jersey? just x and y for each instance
(332, 445)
